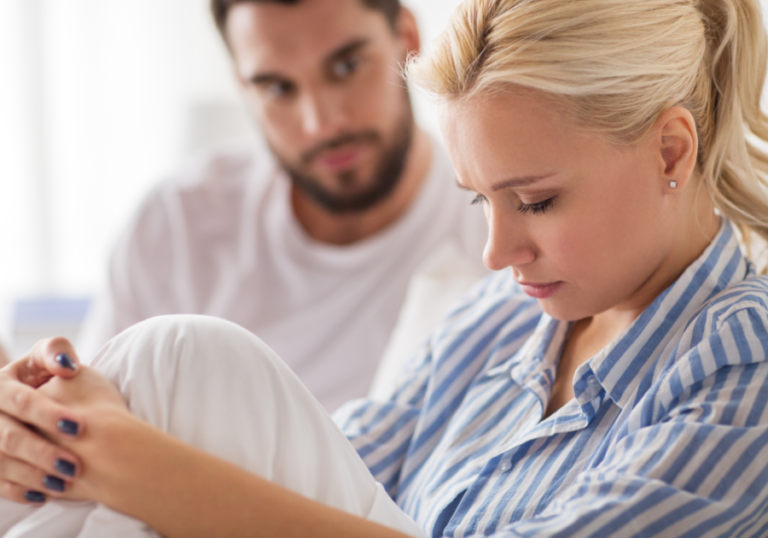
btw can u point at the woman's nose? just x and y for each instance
(508, 244)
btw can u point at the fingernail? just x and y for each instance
(35, 497)
(53, 483)
(65, 361)
(66, 467)
(69, 427)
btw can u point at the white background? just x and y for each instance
(99, 99)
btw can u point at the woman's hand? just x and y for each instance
(33, 425)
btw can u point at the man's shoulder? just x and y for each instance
(227, 169)
(205, 194)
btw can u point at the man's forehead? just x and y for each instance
(271, 36)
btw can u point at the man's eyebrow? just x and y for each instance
(262, 79)
(522, 181)
(346, 50)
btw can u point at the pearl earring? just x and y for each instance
(673, 184)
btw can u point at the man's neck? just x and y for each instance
(348, 228)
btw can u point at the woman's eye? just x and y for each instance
(538, 208)
(479, 199)
(344, 68)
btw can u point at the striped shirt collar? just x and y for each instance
(618, 368)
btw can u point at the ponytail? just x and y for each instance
(733, 165)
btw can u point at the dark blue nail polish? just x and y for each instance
(65, 361)
(53, 483)
(65, 467)
(35, 497)
(69, 427)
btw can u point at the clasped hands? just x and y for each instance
(50, 409)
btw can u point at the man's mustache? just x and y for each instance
(343, 140)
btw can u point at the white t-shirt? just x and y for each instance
(221, 239)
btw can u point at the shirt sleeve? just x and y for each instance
(692, 461)
(138, 277)
(382, 431)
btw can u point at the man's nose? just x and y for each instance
(508, 244)
(323, 115)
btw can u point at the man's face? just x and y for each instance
(323, 79)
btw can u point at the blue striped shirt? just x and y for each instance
(667, 434)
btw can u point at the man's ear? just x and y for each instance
(677, 143)
(408, 31)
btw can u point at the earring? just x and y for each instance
(673, 184)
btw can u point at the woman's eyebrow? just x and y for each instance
(522, 181)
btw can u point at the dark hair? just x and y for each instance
(220, 9)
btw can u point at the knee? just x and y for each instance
(159, 347)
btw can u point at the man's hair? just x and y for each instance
(220, 9)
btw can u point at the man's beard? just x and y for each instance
(386, 175)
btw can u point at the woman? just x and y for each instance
(613, 382)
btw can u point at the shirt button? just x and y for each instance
(505, 466)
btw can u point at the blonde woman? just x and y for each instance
(612, 382)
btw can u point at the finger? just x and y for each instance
(50, 357)
(31, 478)
(27, 405)
(20, 494)
(19, 442)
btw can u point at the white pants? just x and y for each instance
(217, 387)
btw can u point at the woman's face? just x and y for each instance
(583, 224)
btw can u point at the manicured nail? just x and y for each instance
(35, 497)
(69, 427)
(65, 361)
(53, 483)
(65, 467)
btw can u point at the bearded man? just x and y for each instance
(311, 244)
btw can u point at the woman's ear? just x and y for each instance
(677, 143)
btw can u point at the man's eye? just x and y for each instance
(279, 89)
(479, 199)
(344, 68)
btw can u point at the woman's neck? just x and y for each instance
(693, 233)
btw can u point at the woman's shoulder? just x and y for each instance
(743, 303)
(729, 330)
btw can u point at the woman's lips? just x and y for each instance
(541, 291)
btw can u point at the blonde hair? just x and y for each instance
(618, 64)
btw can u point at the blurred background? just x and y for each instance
(99, 100)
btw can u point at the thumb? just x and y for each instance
(48, 358)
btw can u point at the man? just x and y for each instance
(310, 246)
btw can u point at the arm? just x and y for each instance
(201, 495)
(139, 277)
(191, 493)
